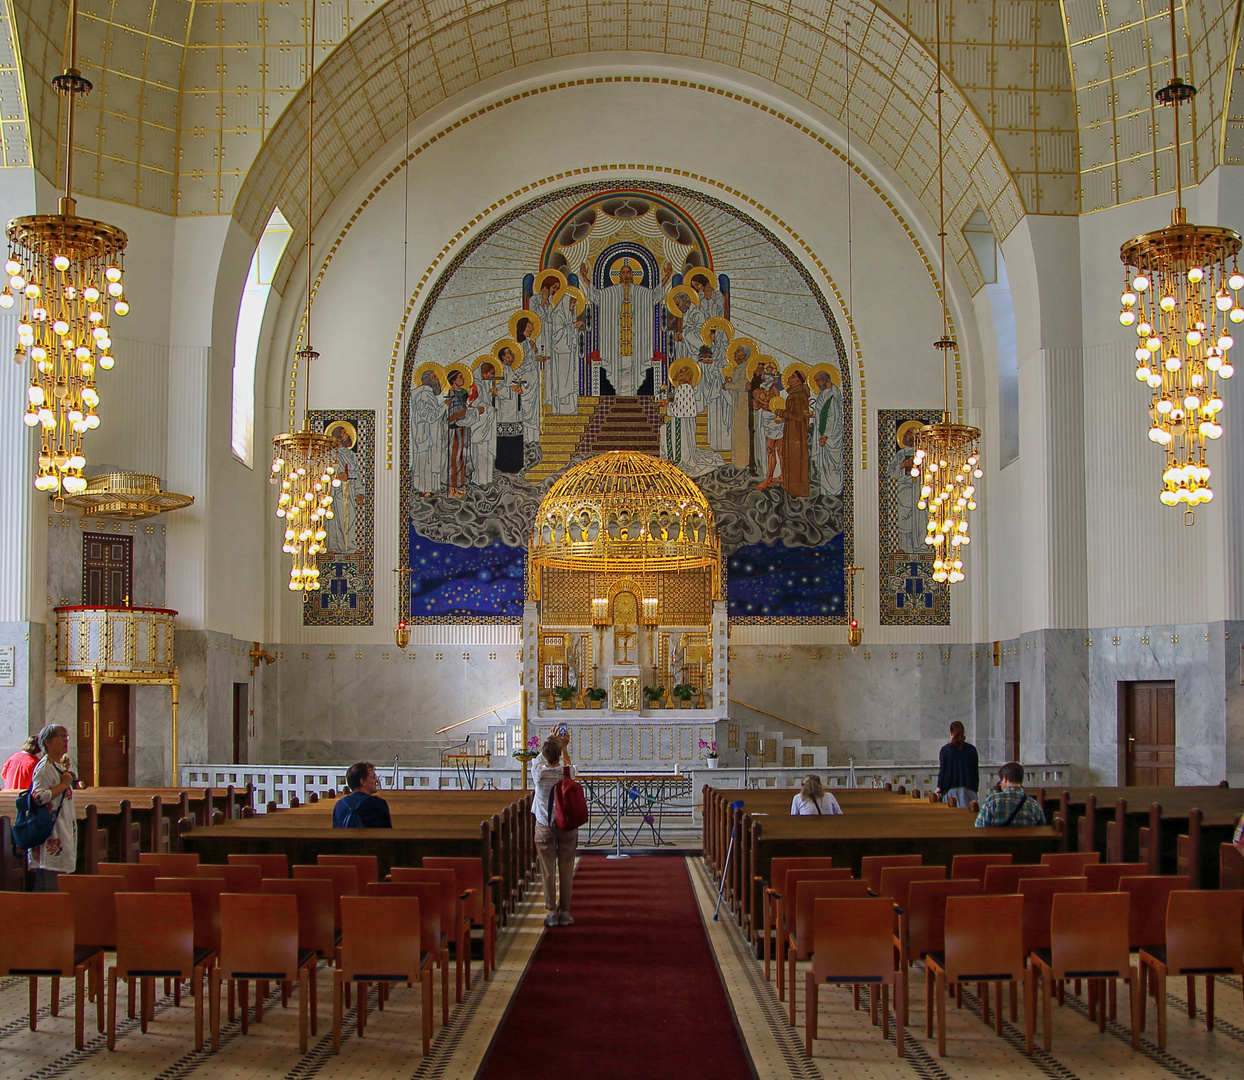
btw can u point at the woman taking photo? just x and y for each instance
(958, 768)
(53, 785)
(555, 847)
(813, 799)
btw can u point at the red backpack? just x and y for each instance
(567, 803)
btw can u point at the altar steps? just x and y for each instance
(623, 423)
(701, 437)
(560, 439)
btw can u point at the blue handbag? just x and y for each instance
(35, 822)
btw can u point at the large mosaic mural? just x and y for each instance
(909, 595)
(345, 595)
(644, 318)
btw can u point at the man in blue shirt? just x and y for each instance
(1011, 805)
(362, 808)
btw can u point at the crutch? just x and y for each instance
(736, 805)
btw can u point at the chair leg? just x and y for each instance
(112, 1008)
(261, 992)
(1209, 1002)
(885, 1009)
(872, 1005)
(55, 1002)
(34, 1003)
(1191, 997)
(244, 1003)
(213, 1008)
(79, 1008)
(809, 1009)
(304, 984)
(982, 990)
(1159, 978)
(129, 1004)
(98, 976)
(314, 1006)
(900, 1019)
(928, 1000)
(1135, 1001)
(336, 1012)
(1114, 999)
(1104, 992)
(145, 994)
(197, 978)
(790, 983)
(1014, 995)
(1047, 1001)
(426, 993)
(444, 985)
(997, 1007)
(781, 962)
(941, 1013)
(1030, 1010)
(766, 933)
(361, 1011)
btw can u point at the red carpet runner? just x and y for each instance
(629, 991)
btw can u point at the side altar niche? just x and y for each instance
(624, 596)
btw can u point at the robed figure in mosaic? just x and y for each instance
(626, 320)
(429, 435)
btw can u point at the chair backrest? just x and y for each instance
(1106, 877)
(1088, 933)
(1038, 894)
(974, 866)
(317, 919)
(1146, 916)
(1230, 867)
(138, 877)
(779, 867)
(896, 880)
(926, 911)
(984, 938)
(205, 901)
(795, 876)
(806, 894)
(171, 863)
(872, 865)
(380, 936)
(345, 881)
(237, 879)
(1070, 863)
(470, 879)
(271, 866)
(1004, 880)
(1205, 931)
(428, 893)
(155, 933)
(366, 866)
(451, 906)
(94, 907)
(258, 936)
(853, 938)
(38, 934)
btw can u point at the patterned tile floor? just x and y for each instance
(851, 1049)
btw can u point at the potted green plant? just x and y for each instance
(654, 694)
(685, 692)
(595, 695)
(564, 694)
(710, 748)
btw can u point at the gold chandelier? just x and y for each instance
(64, 272)
(947, 454)
(302, 461)
(1180, 296)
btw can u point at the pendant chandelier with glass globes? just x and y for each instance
(302, 460)
(947, 458)
(64, 273)
(1181, 297)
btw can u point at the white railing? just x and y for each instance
(280, 783)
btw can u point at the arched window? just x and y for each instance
(251, 311)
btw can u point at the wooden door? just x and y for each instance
(114, 735)
(1148, 733)
(1012, 721)
(107, 570)
(241, 723)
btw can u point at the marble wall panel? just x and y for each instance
(22, 704)
(1065, 664)
(1233, 679)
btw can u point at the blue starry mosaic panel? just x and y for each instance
(777, 582)
(465, 582)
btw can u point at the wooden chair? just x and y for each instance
(1204, 936)
(237, 879)
(259, 940)
(784, 908)
(774, 889)
(1146, 914)
(1106, 877)
(94, 926)
(171, 863)
(1230, 867)
(433, 938)
(479, 906)
(380, 942)
(205, 896)
(922, 924)
(984, 944)
(366, 866)
(872, 865)
(896, 881)
(1088, 940)
(798, 945)
(317, 926)
(344, 880)
(39, 942)
(974, 866)
(1004, 880)
(138, 877)
(155, 939)
(1070, 863)
(1038, 894)
(453, 918)
(853, 943)
(271, 866)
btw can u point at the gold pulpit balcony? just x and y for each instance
(123, 644)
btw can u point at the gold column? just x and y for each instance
(175, 685)
(97, 682)
(522, 714)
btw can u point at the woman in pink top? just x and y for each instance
(20, 767)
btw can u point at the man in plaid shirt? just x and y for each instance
(1011, 805)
